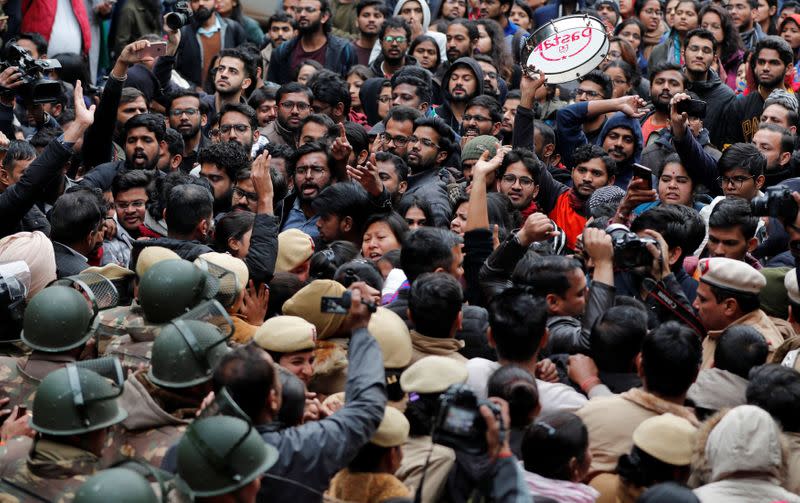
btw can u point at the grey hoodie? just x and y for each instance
(440, 38)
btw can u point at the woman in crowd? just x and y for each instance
(491, 41)
(232, 9)
(416, 212)
(521, 15)
(426, 51)
(355, 79)
(717, 20)
(632, 31)
(383, 233)
(650, 13)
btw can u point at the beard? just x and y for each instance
(462, 98)
(202, 14)
(149, 164)
(311, 28)
(223, 204)
(188, 134)
(660, 106)
(770, 84)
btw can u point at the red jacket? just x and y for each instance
(38, 16)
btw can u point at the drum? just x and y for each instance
(567, 48)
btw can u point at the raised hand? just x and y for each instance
(83, 115)
(484, 166)
(632, 106)
(367, 176)
(341, 148)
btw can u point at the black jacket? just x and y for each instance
(444, 111)
(742, 119)
(339, 57)
(718, 97)
(263, 251)
(100, 134)
(190, 53)
(17, 200)
(187, 250)
(68, 262)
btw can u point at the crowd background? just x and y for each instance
(363, 252)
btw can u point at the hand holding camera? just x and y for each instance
(354, 303)
(660, 253)
(470, 425)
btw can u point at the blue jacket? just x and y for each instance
(619, 119)
(551, 11)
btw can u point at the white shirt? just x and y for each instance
(66, 33)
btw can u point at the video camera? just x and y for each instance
(630, 250)
(777, 202)
(35, 88)
(180, 16)
(459, 424)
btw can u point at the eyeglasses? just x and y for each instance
(400, 141)
(589, 93)
(239, 193)
(240, 128)
(177, 112)
(305, 170)
(385, 99)
(476, 118)
(139, 204)
(414, 140)
(512, 179)
(399, 39)
(736, 181)
(309, 10)
(289, 105)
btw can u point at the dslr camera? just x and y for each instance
(35, 88)
(630, 250)
(777, 202)
(459, 424)
(180, 16)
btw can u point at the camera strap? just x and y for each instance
(418, 493)
(657, 292)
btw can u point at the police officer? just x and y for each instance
(164, 399)
(72, 411)
(118, 484)
(57, 325)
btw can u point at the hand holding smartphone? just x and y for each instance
(154, 50)
(644, 173)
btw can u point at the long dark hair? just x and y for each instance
(426, 38)
(731, 41)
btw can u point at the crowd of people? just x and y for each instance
(364, 252)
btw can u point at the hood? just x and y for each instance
(704, 86)
(747, 439)
(143, 411)
(717, 389)
(426, 12)
(619, 119)
(369, 98)
(476, 69)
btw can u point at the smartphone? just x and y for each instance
(693, 108)
(21, 411)
(644, 173)
(154, 50)
(335, 305)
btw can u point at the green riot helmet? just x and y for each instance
(220, 454)
(185, 353)
(172, 287)
(116, 484)
(75, 400)
(57, 319)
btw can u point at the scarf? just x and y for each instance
(435, 345)
(651, 402)
(577, 203)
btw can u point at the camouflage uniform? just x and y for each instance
(123, 332)
(19, 377)
(43, 470)
(150, 429)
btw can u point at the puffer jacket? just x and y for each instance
(745, 459)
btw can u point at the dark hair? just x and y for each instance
(400, 167)
(734, 212)
(293, 87)
(152, 122)
(43, 137)
(357, 136)
(679, 225)
(247, 377)
(280, 17)
(174, 141)
(731, 41)
(745, 156)
(500, 53)
(518, 321)
(543, 129)
(37, 39)
(489, 103)
(602, 80)
(547, 274)
(311, 148)
(359, 269)
(18, 150)
(73, 68)
(551, 442)
(259, 96)
(434, 303)
(427, 249)
(402, 113)
(282, 287)
(704, 34)
(378, 4)
(279, 151)
(427, 38)
(331, 89)
(447, 141)
(131, 94)
(776, 389)
(670, 359)
(396, 223)
(417, 77)
(131, 179)
(777, 44)
(324, 121)
(739, 349)
(421, 414)
(325, 262)
(631, 75)
(517, 386)
(316, 65)
(227, 156)
(346, 199)
(588, 152)
(243, 109)
(75, 214)
(183, 93)
(414, 201)
(234, 224)
(616, 338)
(634, 21)
(666, 66)
(527, 158)
(187, 206)
(395, 22)
(787, 138)
(640, 469)
(471, 26)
